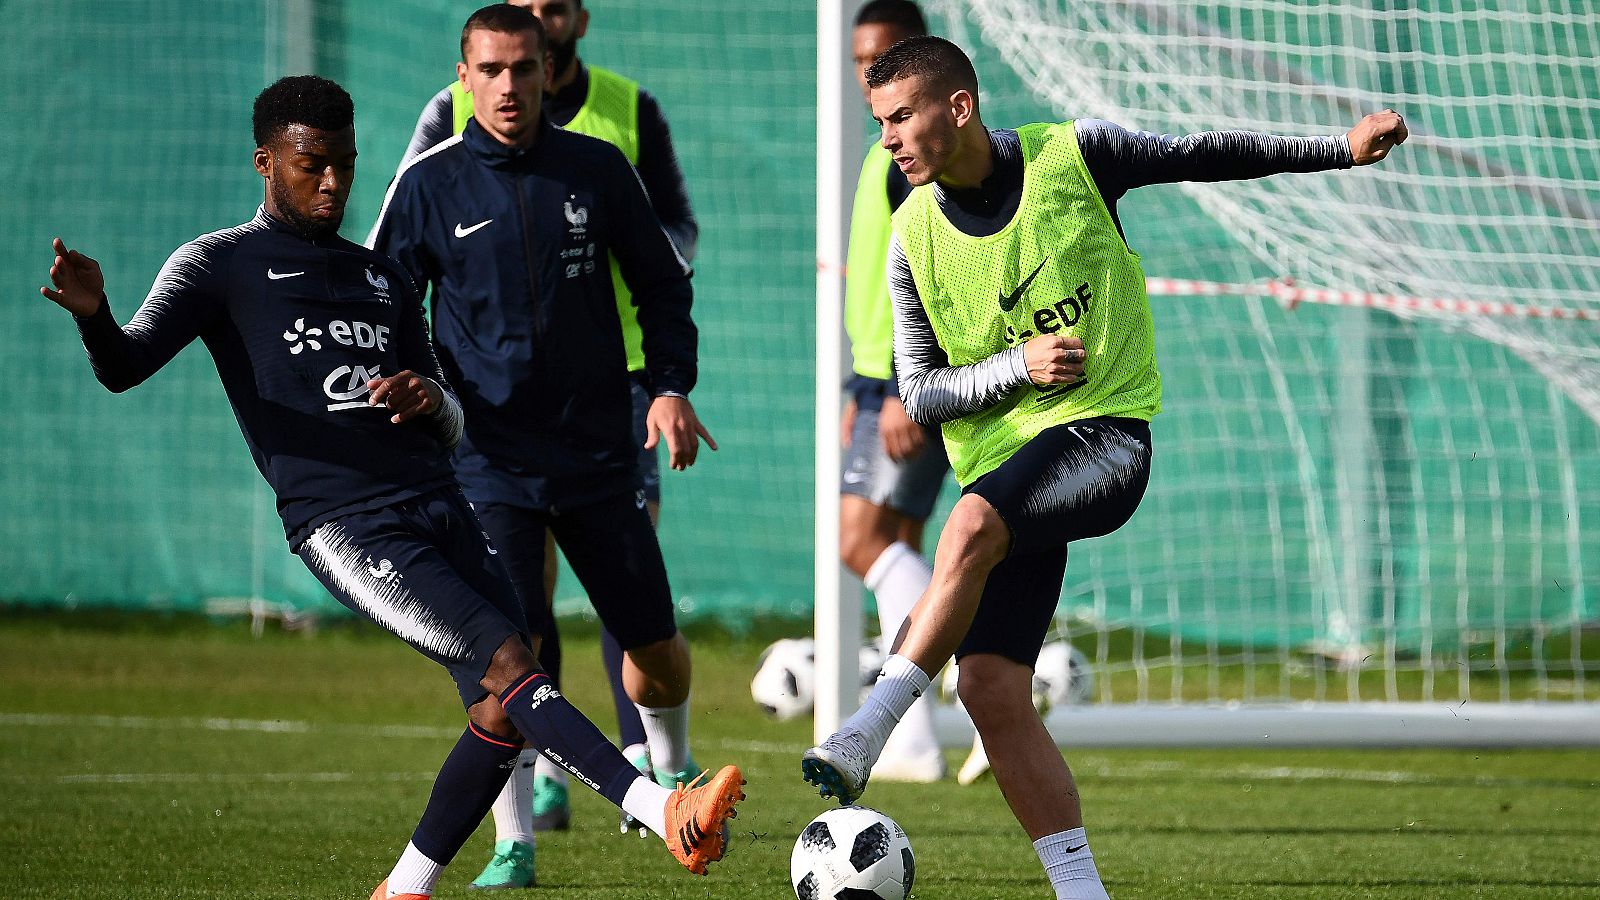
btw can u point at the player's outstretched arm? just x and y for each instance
(79, 285)
(1375, 135)
(673, 418)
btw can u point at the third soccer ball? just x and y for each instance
(852, 853)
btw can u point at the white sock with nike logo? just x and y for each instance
(1070, 865)
(899, 686)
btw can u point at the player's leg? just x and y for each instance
(630, 727)
(1072, 481)
(389, 567)
(615, 554)
(535, 793)
(974, 540)
(883, 502)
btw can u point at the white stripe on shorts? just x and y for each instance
(380, 596)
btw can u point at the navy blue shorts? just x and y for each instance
(1074, 481)
(422, 569)
(649, 460)
(610, 546)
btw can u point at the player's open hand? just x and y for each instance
(1377, 134)
(902, 438)
(1053, 359)
(674, 418)
(406, 395)
(79, 286)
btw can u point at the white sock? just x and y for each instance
(414, 874)
(667, 730)
(898, 687)
(898, 579)
(647, 802)
(1072, 874)
(513, 809)
(544, 768)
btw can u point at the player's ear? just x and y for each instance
(263, 161)
(583, 24)
(461, 73)
(962, 106)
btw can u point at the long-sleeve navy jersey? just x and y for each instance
(658, 161)
(514, 242)
(296, 327)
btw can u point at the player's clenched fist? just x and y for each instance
(406, 394)
(1053, 359)
(1377, 134)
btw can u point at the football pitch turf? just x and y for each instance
(162, 758)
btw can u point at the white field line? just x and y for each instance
(221, 778)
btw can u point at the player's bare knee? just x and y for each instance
(976, 533)
(865, 531)
(994, 690)
(512, 659)
(490, 716)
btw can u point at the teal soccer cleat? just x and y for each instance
(511, 867)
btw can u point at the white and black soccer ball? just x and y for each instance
(1063, 676)
(785, 680)
(852, 853)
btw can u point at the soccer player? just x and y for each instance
(513, 222)
(323, 350)
(893, 469)
(609, 106)
(1022, 326)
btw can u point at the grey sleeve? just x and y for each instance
(435, 126)
(1121, 160)
(932, 390)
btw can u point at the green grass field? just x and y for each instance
(147, 758)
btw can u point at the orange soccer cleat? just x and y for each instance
(381, 892)
(697, 818)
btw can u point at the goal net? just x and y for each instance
(1374, 488)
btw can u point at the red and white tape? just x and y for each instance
(1291, 295)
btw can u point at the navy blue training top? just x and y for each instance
(296, 327)
(514, 243)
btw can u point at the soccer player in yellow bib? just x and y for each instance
(1021, 326)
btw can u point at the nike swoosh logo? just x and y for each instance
(1073, 849)
(463, 232)
(1008, 303)
(276, 276)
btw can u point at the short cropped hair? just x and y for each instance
(301, 100)
(503, 18)
(903, 14)
(942, 63)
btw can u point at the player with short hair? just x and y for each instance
(603, 104)
(513, 223)
(892, 470)
(323, 350)
(1022, 326)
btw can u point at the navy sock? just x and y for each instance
(468, 782)
(629, 726)
(558, 730)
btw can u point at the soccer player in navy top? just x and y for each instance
(323, 350)
(511, 223)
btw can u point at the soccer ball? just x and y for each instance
(1063, 676)
(785, 680)
(852, 853)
